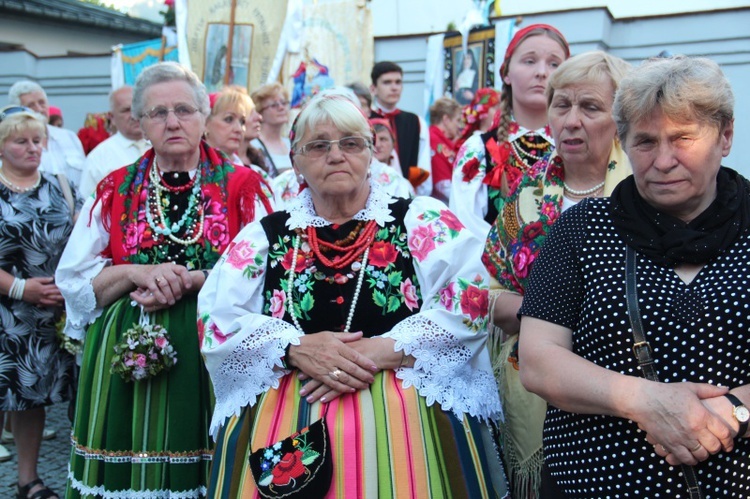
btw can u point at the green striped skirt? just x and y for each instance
(386, 443)
(146, 439)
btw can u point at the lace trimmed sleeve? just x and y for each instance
(242, 347)
(80, 263)
(448, 336)
(468, 195)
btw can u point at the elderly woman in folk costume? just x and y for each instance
(351, 306)
(286, 186)
(139, 256)
(587, 162)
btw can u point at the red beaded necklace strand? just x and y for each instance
(346, 254)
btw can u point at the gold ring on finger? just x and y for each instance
(335, 374)
(664, 449)
(696, 448)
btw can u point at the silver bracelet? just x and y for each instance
(17, 288)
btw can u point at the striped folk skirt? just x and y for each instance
(385, 441)
(144, 439)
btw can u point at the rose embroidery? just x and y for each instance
(409, 292)
(422, 242)
(286, 262)
(289, 468)
(241, 254)
(277, 303)
(382, 254)
(470, 169)
(450, 220)
(474, 302)
(447, 295)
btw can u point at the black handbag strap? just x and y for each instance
(643, 354)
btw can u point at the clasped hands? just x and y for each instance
(686, 422)
(338, 363)
(159, 286)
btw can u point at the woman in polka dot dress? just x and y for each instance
(610, 432)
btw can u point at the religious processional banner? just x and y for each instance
(234, 41)
(470, 69)
(129, 60)
(332, 45)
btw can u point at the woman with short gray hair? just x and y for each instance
(142, 251)
(642, 353)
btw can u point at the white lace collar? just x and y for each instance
(302, 212)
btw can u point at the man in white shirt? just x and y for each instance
(121, 149)
(63, 152)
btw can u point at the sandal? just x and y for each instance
(43, 493)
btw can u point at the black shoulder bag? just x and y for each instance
(642, 351)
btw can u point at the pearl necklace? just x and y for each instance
(163, 228)
(584, 192)
(19, 189)
(290, 287)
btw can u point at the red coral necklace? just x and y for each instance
(345, 253)
(290, 285)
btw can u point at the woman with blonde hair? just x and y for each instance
(273, 105)
(587, 162)
(37, 219)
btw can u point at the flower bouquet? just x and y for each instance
(144, 351)
(71, 345)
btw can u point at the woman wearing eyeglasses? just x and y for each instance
(140, 253)
(273, 105)
(352, 299)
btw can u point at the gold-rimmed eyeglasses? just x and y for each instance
(319, 148)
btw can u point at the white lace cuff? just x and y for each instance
(253, 366)
(446, 371)
(80, 302)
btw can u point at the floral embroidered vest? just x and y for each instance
(323, 296)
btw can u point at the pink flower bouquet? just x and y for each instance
(143, 352)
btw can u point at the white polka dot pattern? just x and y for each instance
(699, 332)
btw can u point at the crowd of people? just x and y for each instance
(541, 294)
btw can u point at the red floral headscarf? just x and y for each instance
(477, 110)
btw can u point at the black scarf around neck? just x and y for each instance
(668, 240)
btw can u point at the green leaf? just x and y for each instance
(395, 278)
(307, 302)
(378, 298)
(393, 304)
(309, 457)
(265, 479)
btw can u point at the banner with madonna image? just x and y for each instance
(466, 71)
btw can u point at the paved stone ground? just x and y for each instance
(53, 457)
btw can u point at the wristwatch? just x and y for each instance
(741, 414)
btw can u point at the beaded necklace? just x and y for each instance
(19, 189)
(158, 220)
(290, 286)
(347, 253)
(531, 146)
(584, 192)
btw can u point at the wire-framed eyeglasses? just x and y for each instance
(160, 113)
(319, 148)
